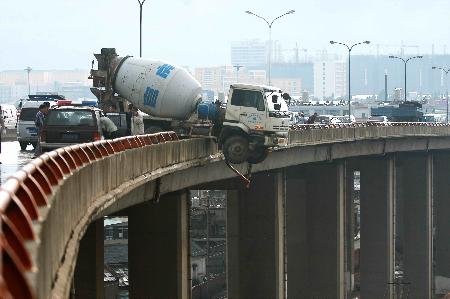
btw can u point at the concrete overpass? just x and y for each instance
(289, 234)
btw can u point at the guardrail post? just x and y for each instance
(89, 270)
(158, 257)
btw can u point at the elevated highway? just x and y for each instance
(52, 209)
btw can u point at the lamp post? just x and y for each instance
(238, 67)
(141, 4)
(446, 71)
(405, 61)
(28, 69)
(270, 34)
(350, 48)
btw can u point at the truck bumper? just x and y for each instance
(276, 140)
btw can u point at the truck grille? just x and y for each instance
(281, 128)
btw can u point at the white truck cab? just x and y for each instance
(256, 118)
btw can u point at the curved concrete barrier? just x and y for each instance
(41, 203)
(46, 206)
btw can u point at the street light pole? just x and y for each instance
(141, 3)
(238, 67)
(270, 36)
(446, 71)
(349, 48)
(405, 62)
(28, 69)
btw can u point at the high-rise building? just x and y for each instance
(219, 79)
(249, 53)
(330, 76)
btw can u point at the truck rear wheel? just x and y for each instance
(258, 155)
(235, 149)
(23, 145)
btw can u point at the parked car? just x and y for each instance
(26, 129)
(9, 113)
(327, 119)
(67, 125)
(378, 119)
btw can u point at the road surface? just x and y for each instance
(12, 158)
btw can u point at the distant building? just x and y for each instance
(249, 53)
(368, 74)
(5, 92)
(219, 79)
(75, 83)
(292, 86)
(329, 76)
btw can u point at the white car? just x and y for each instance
(9, 114)
(26, 129)
(378, 119)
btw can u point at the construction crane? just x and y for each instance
(402, 47)
(296, 51)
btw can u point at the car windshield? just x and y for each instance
(70, 118)
(28, 114)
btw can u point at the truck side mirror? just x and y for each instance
(274, 98)
(277, 106)
(286, 96)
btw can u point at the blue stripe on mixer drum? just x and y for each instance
(150, 97)
(164, 70)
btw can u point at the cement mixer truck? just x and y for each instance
(253, 120)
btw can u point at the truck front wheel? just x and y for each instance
(235, 149)
(258, 155)
(23, 145)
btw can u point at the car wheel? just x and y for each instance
(235, 149)
(23, 145)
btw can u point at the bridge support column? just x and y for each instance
(158, 248)
(377, 228)
(88, 276)
(315, 231)
(416, 184)
(441, 199)
(255, 234)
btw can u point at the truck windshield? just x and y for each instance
(248, 98)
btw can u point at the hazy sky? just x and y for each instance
(63, 34)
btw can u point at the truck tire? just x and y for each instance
(258, 155)
(235, 149)
(153, 130)
(23, 145)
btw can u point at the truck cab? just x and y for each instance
(256, 118)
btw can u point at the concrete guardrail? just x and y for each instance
(41, 204)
